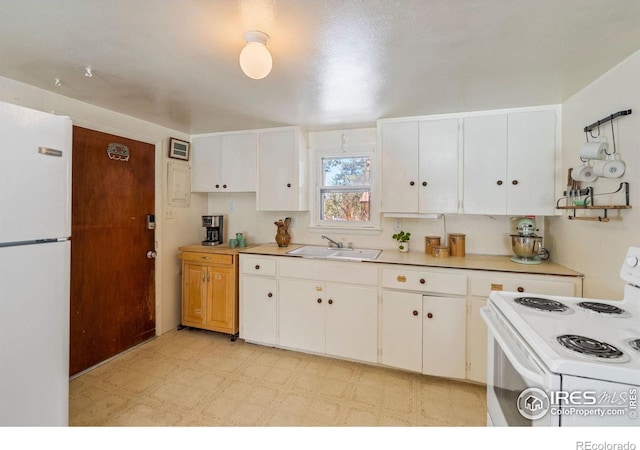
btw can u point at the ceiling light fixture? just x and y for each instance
(255, 59)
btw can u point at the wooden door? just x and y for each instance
(112, 279)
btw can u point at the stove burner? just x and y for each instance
(635, 344)
(541, 304)
(604, 308)
(589, 347)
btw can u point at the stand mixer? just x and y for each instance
(525, 244)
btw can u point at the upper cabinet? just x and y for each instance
(420, 166)
(509, 163)
(282, 170)
(224, 162)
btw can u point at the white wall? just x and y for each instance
(170, 233)
(596, 248)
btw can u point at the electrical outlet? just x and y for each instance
(168, 213)
(293, 222)
(232, 206)
(397, 226)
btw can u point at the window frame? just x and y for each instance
(316, 197)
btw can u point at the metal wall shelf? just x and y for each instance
(590, 203)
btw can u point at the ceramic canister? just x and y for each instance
(429, 243)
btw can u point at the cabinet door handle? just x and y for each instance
(424, 183)
(257, 266)
(319, 300)
(520, 289)
(288, 184)
(514, 182)
(217, 186)
(430, 316)
(401, 279)
(330, 302)
(411, 183)
(499, 182)
(415, 313)
(224, 186)
(269, 295)
(422, 281)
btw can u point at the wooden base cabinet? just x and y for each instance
(209, 292)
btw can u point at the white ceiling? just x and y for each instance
(336, 63)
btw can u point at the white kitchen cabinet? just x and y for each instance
(329, 318)
(476, 333)
(259, 310)
(509, 163)
(282, 170)
(258, 299)
(352, 322)
(401, 330)
(420, 166)
(224, 162)
(481, 283)
(444, 332)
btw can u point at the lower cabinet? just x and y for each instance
(476, 341)
(420, 319)
(444, 336)
(209, 293)
(259, 310)
(424, 333)
(402, 330)
(331, 318)
(259, 299)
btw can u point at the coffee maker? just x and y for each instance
(214, 228)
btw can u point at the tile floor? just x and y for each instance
(198, 378)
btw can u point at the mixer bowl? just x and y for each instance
(525, 246)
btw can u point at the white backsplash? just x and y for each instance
(484, 234)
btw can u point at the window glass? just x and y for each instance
(345, 192)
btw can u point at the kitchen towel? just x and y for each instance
(593, 150)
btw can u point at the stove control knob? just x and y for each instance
(632, 261)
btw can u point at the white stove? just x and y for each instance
(578, 359)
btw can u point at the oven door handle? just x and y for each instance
(520, 363)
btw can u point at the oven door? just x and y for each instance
(512, 367)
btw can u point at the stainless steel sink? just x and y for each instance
(349, 254)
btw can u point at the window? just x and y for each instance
(344, 189)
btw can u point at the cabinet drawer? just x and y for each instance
(258, 266)
(208, 258)
(482, 284)
(425, 281)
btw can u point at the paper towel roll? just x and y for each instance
(593, 150)
(609, 168)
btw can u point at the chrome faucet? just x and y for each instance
(337, 244)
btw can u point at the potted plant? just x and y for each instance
(403, 240)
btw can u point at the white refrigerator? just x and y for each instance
(35, 257)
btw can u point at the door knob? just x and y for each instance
(151, 254)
